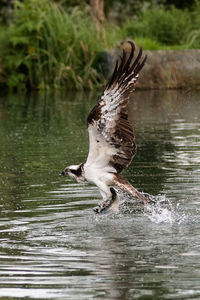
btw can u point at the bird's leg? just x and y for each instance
(107, 203)
(104, 195)
(109, 197)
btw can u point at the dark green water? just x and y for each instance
(52, 246)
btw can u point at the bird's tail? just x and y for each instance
(125, 186)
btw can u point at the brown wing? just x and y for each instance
(125, 186)
(108, 123)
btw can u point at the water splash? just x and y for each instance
(162, 210)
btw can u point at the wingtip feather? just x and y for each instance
(126, 71)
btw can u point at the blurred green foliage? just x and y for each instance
(54, 44)
(168, 27)
(47, 47)
(6, 7)
(111, 7)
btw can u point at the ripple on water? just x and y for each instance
(52, 245)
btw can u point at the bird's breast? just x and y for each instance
(94, 175)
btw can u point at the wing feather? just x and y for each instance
(109, 129)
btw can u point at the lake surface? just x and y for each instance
(52, 245)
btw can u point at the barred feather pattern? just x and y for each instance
(109, 118)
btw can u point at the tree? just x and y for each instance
(97, 10)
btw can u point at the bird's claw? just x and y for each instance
(103, 206)
(106, 204)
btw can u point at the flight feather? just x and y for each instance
(111, 137)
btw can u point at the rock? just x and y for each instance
(171, 69)
(166, 69)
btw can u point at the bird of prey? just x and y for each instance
(111, 139)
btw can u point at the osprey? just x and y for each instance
(111, 139)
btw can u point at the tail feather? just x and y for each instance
(125, 186)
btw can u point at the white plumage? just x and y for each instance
(111, 139)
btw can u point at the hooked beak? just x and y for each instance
(63, 173)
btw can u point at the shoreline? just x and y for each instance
(164, 69)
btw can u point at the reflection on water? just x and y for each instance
(54, 247)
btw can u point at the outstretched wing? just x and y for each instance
(111, 138)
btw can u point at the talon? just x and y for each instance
(96, 209)
(107, 203)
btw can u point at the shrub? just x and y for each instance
(46, 46)
(168, 27)
(193, 38)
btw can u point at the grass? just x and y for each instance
(48, 47)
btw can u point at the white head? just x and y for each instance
(75, 171)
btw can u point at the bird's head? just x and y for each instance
(75, 171)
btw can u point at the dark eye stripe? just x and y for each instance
(77, 172)
(73, 171)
